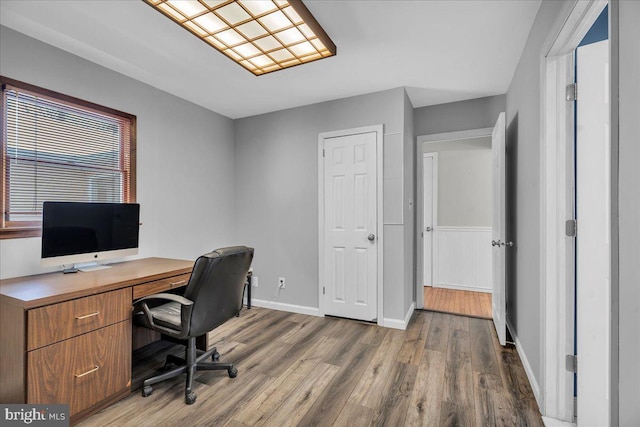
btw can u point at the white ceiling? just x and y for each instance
(440, 50)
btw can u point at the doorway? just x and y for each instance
(560, 265)
(454, 223)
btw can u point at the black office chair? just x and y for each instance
(213, 295)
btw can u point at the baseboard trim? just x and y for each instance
(464, 288)
(313, 311)
(552, 422)
(525, 363)
(397, 323)
(281, 306)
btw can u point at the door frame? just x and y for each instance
(555, 396)
(434, 220)
(420, 140)
(378, 129)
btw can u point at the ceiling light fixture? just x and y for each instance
(261, 35)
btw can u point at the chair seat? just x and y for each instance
(167, 315)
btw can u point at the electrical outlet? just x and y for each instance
(254, 281)
(281, 282)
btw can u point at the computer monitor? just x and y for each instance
(78, 232)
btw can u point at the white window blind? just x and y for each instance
(55, 150)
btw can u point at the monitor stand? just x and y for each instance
(90, 266)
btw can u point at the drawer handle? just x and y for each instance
(88, 372)
(181, 282)
(87, 315)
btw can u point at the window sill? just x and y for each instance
(20, 232)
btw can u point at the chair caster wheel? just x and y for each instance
(233, 372)
(215, 356)
(147, 391)
(190, 398)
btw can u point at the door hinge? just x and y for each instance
(571, 363)
(571, 93)
(571, 228)
(323, 290)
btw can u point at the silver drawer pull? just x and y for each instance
(181, 282)
(88, 372)
(87, 315)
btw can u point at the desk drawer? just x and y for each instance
(160, 286)
(81, 371)
(57, 322)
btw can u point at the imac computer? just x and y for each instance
(81, 234)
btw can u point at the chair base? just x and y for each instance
(189, 365)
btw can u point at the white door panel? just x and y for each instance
(429, 181)
(593, 204)
(498, 300)
(350, 226)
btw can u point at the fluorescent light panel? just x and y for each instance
(261, 35)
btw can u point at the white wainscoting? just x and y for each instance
(462, 258)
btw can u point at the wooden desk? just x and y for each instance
(66, 338)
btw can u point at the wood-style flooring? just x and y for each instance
(466, 303)
(297, 370)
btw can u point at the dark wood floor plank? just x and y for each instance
(483, 355)
(438, 336)
(369, 389)
(330, 403)
(458, 399)
(354, 415)
(415, 339)
(491, 404)
(424, 408)
(302, 398)
(271, 397)
(397, 396)
(340, 353)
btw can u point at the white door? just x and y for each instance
(350, 248)
(593, 204)
(498, 241)
(429, 180)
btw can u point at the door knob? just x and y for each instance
(428, 229)
(371, 237)
(509, 243)
(495, 243)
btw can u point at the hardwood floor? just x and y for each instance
(466, 303)
(444, 370)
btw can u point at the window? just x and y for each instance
(59, 148)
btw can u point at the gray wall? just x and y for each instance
(408, 205)
(464, 188)
(277, 193)
(628, 256)
(523, 190)
(456, 116)
(464, 181)
(185, 154)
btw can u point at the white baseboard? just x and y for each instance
(292, 308)
(397, 323)
(527, 366)
(552, 422)
(464, 288)
(313, 311)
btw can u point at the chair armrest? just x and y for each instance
(186, 305)
(164, 296)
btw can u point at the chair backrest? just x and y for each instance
(216, 287)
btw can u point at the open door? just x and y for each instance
(498, 300)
